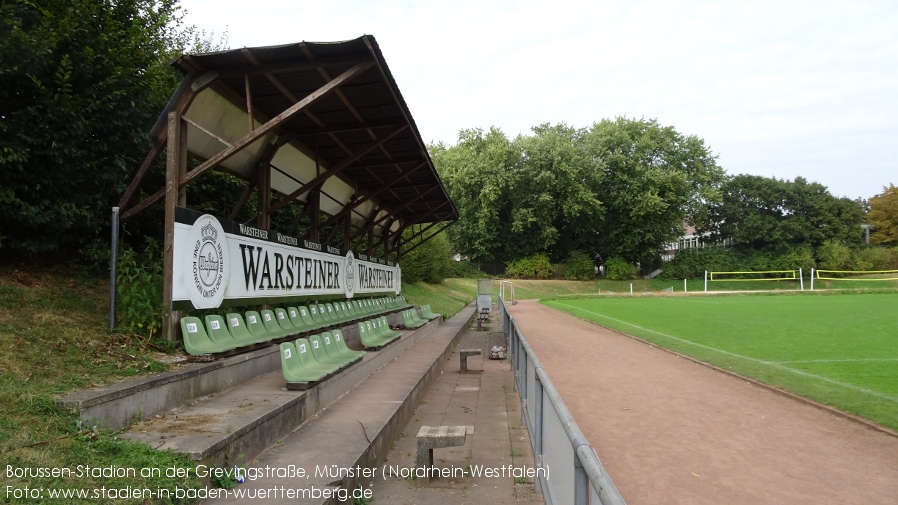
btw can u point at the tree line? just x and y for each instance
(622, 190)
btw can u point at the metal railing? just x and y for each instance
(567, 469)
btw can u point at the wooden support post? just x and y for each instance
(175, 168)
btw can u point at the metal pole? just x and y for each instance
(537, 436)
(581, 482)
(113, 266)
(801, 279)
(812, 278)
(706, 280)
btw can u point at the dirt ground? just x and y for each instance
(672, 431)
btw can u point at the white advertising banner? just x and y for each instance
(217, 260)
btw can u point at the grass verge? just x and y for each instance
(54, 339)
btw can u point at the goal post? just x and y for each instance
(755, 276)
(506, 289)
(853, 275)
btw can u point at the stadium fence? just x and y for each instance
(578, 476)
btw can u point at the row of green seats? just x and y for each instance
(317, 357)
(410, 319)
(376, 333)
(267, 325)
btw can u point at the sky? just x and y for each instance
(779, 89)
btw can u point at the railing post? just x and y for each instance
(581, 482)
(525, 397)
(537, 435)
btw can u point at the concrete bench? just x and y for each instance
(437, 437)
(463, 357)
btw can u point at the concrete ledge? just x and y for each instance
(437, 437)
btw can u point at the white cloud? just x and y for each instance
(775, 88)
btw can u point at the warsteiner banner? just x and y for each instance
(217, 260)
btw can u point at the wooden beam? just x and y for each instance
(397, 210)
(434, 234)
(154, 153)
(277, 120)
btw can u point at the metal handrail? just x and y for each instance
(588, 469)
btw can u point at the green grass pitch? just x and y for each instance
(837, 349)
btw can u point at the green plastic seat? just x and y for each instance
(339, 315)
(296, 320)
(332, 341)
(367, 336)
(382, 328)
(319, 352)
(237, 327)
(328, 308)
(344, 349)
(292, 366)
(270, 322)
(428, 313)
(256, 327)
(317, 316)
(411, 320)
(306, 315)
(285, 322)
(304, 348)
(218, 332)
(322, 314)
(196, 340)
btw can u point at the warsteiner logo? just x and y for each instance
(207, 264)
(349, 280)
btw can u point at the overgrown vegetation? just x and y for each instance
(692, 263)
(579, 266)
(53, 332)
(537, 266)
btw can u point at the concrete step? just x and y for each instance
(118, 405)
(331, 452)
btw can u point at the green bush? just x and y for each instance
(537, 266)
(617, 269)
(139, 303)
(799, 257)
(875, 258)
(430, 262)
(835, 256)
(579, 266)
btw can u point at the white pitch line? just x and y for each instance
(859, 360)
(773, 364)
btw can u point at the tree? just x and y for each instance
(476, 173)
(653, 179)
(883, 216)
(81, 83)
(621, 188)
(770, 214)
(556, 204)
